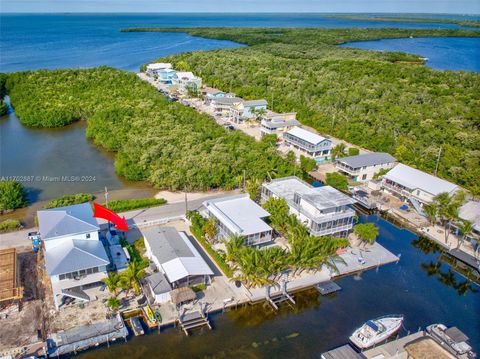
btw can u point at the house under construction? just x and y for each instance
(9, 289)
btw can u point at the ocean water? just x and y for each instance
(442, 53)
(30, 42)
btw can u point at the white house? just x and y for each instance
(187, 81)
(363, 167)
(75, 258)
(309, 143)
(176, 259)
(229, 108)
(411, 184)
(239, 215)
(324, 210)
(278, 123)
(154, 68)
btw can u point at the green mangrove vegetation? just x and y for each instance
(365, 17)
(122, 205)
(382, 101)
(12, 195)
(69, 200)
(9, 225)
(170, 145)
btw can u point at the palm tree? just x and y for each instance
(367, 232)
(113, 303)
(338, 151)
(112, 282)
(466, 228)
(129, 278)
(431, 211)
(233, 246)
(448, 209)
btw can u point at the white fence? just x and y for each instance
(155, 222)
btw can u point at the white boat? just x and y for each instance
(452, 339)
(376, 331)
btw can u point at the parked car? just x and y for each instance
(33, 236)
(229, 126)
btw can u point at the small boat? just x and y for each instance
(376, 331)
(136, 326)
(452, 339)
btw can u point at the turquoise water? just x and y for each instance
(422, 286)
(443, 53)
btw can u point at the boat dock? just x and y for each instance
(193, 320)
(88, 336)
(328, 287)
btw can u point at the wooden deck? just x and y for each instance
(8, 276)
(193, 320)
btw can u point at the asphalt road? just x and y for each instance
(20, 239)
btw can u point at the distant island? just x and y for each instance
(368, 17)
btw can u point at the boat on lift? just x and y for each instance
(376, 331)
(452, 339)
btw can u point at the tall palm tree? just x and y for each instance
(112, 282)
(113, 303)
(466, 228)
(233, 246)
(129, 277)
(431, 211)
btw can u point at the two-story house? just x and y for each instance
(309, 143)
(363, 167)
(278, 123)
(323, 210)
(239, 215)
(75, 258)
(187, 83)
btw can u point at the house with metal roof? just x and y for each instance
(252, 108)
(75, 258)
(154, 68)
(323, 210)
(186, 82)
(278, 123)
(470, 211)
(175, 256)
(363, 167)
(239, 215)
(230, 108)
(309, 143)
(408, 183)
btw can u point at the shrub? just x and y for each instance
(353, 151)
(69, 200)
(337, 181)
(12, 195)
(123, 205)
(10, 225)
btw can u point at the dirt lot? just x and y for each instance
(23, 327)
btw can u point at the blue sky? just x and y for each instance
(392, 6)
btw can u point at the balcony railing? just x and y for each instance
(327, 231)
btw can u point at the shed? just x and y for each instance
(182, 295)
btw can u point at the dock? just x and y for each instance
(136, 326)
(193, 320)
(344, 352)
(327, 287)
(87, 336)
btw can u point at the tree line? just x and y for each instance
(369, 98)
(168, 144)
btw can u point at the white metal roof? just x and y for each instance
(65, 221)
(186, 75)
(72, 255)
(239, 213)
(159, 66)
(367, 159)
(305, 135)
(470, 211)
(412, 178)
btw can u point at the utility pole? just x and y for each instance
(106, 205)
(438, 160)
(186, 203)
(272, 103)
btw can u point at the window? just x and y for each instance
(364, 177)
(88, 235)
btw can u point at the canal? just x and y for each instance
(422, 286)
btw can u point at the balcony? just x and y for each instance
(332, 230)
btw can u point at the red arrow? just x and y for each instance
(103, 212)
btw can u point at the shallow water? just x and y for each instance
(443, 53)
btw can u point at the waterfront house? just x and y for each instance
(230, 108)
(187, 82)
(155, 68)
(75, 258)
(470, 211)
(323, 210)
(166, 76)
(278, 123)
(309, 143)
(363, 167)
(414, 185)
(176, 259)
(239, 215)
(251, 109)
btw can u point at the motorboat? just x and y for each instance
(376, 331)
(452, 339)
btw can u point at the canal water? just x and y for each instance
(442, 53)
(422, 286)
